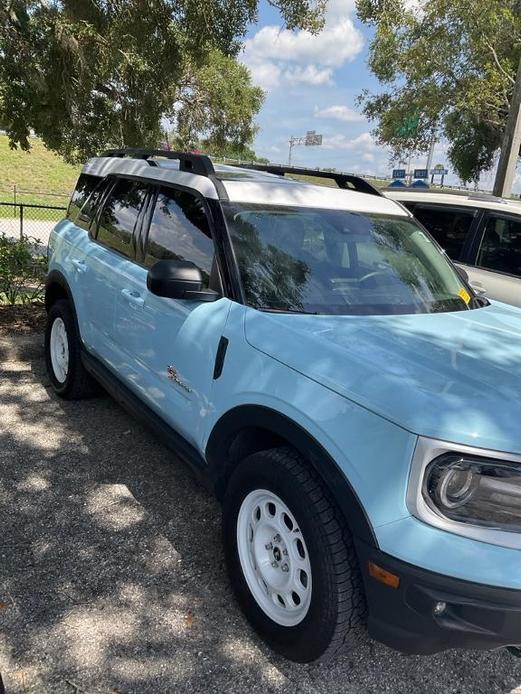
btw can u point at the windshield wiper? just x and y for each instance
(269, 309)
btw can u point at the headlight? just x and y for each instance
(467, 491)
(474, 490)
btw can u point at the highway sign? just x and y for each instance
(312, 138)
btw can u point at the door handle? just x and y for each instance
(79, 265)
(133, 298)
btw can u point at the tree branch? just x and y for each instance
(509, 77)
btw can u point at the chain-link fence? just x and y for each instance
(24, 220)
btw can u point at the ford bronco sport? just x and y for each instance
(317, 359)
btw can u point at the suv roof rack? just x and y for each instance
(188, 161)
(202, 164)
(345, 181)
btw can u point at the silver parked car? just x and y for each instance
(480, 232)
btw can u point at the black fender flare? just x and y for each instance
(283, 428)
(55, 277)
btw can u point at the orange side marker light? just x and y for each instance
(383, 576)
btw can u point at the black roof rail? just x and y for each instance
(345, 181)
(188, 161)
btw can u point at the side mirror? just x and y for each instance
(462, 273)
(178, 279)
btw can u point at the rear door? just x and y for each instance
(168, 346)
(110, 254)
(497, 267)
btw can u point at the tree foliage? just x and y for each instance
(216, 104)
(85, 74)
(448, 68)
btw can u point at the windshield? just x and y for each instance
(338, 262)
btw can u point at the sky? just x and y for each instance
(311, 83)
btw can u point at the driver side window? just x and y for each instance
(179, 230)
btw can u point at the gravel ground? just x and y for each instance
(112, 577)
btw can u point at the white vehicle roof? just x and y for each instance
(248, 186)
(475, 200)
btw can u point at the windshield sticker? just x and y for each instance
(463, 293)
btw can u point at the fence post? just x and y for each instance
(21, 222)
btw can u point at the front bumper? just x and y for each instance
(476, 616)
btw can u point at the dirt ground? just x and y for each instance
(22, 320)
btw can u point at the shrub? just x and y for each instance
(22, 270)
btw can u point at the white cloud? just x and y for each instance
(362, 143)
(310, 74)
(339, 112)
(265, 74)
(276, 56)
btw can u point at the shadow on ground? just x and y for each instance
(112, 576)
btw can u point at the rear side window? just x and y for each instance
(500, 248)
(448, 226)
(179, 230)
(84, 187)
(89, 209)
(119, 215)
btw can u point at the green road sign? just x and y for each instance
(409, 125)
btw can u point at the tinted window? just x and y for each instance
(179, 230)
(339, 262)
(84, 187)
(119, 215)
(89, 209)
(501, 245)
(448, 226)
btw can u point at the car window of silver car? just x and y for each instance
(500, 248)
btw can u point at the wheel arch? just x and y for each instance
(247, 429)
(56, 288)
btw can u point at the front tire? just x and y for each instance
(290, 556)
(67, 374)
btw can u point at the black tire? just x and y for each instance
(78, 383)
(337, 604)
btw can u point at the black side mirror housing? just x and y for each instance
(178, 279)
(462, 273)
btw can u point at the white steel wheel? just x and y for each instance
(274, 557)
(59, 350)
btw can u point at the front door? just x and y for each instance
(169, 344)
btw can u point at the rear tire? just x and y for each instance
(68, 376)
(279, 525)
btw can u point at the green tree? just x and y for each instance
(448, 69)
(86, 74)
(216, 104)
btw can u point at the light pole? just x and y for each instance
(510, 149)
(310, 139)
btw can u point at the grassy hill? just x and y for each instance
(40, 176)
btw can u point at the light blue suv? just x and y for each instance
(320, 363)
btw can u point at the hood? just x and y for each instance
(452, 376)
